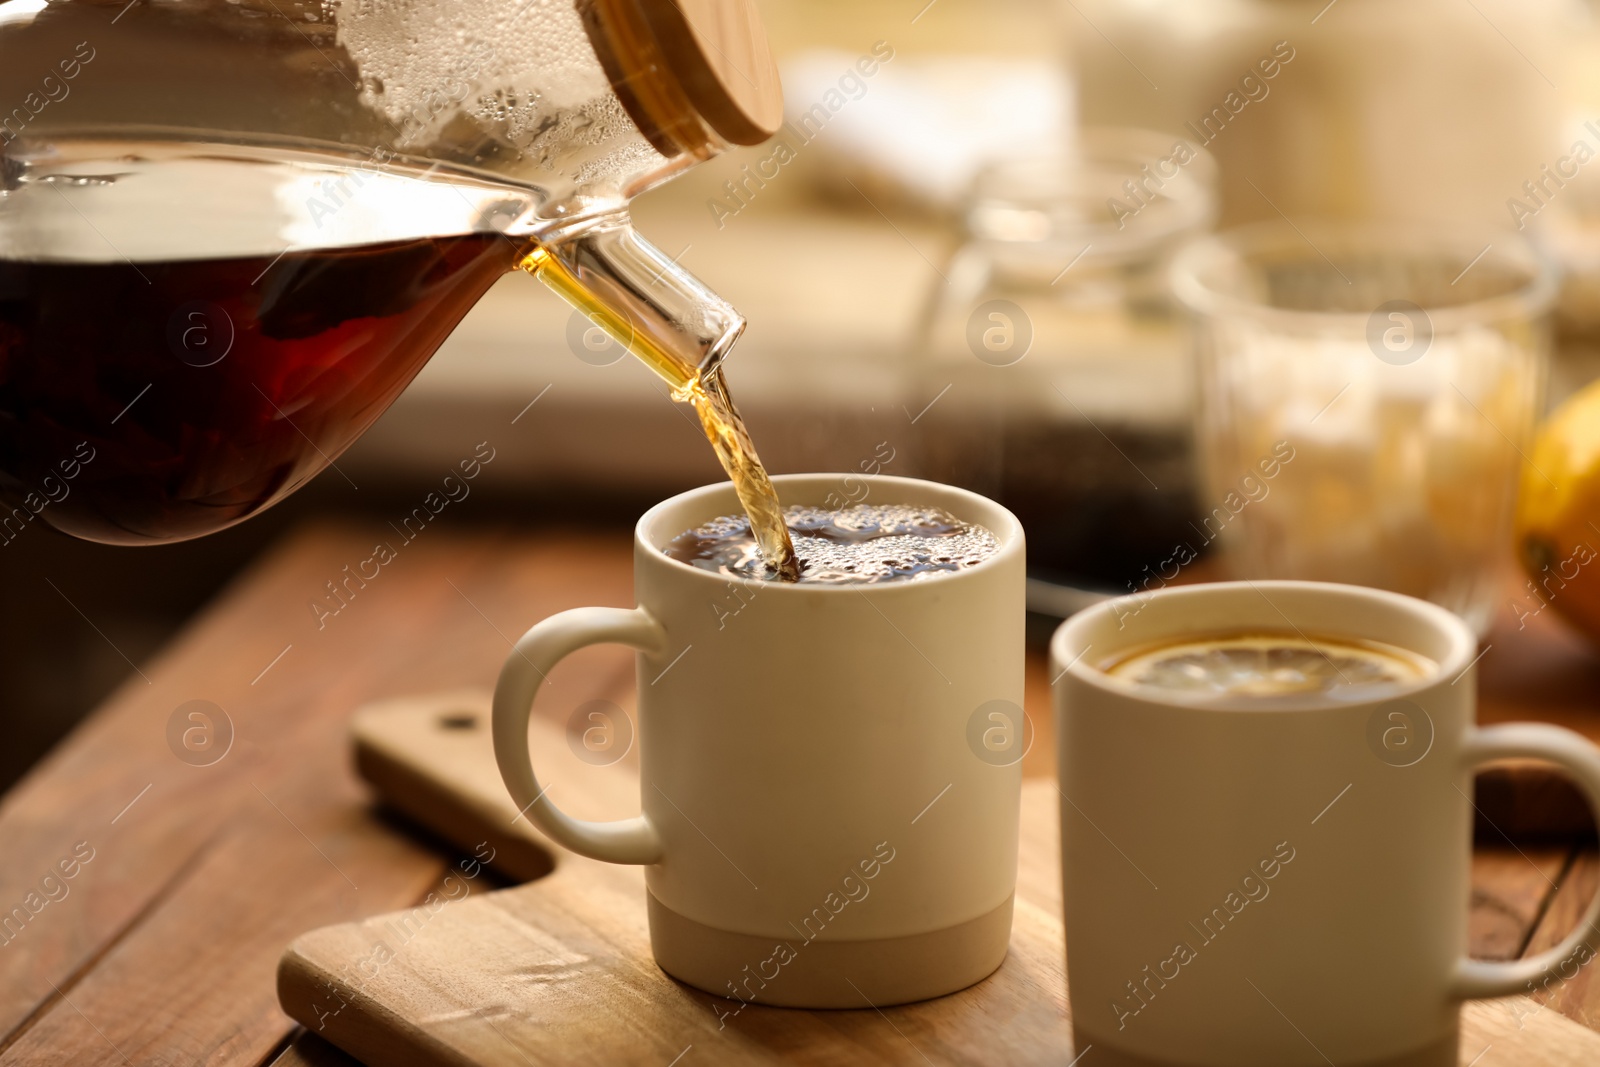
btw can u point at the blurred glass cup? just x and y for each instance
(1365, 395)
(1055, 358)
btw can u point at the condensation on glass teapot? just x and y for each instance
(588, 104)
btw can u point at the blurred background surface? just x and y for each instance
(957, 266)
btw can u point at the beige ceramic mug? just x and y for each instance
(1277, 884)
(828, 818)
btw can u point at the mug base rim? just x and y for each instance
(1441, 1053)
(882, 971)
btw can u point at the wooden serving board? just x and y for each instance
(559, 970)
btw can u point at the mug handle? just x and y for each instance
(632, 840)
(1581, 760)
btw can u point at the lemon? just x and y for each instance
(1558, 511)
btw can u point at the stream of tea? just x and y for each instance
(708, 392)
(725, 429)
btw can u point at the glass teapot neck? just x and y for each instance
(641, 297)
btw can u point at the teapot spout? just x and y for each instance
(639, 296)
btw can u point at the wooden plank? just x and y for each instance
(196, 882)
(1573, 990)
(1509, 890)
(395, 739)
(432, 758)
(289, 857)
(1511, 1032)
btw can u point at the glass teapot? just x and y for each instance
(232, 231)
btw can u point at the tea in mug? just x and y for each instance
(1273, 665)
(864, 544)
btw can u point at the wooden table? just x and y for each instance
(162, 946)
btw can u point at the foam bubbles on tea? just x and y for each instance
(1273, 665)
(860, 544)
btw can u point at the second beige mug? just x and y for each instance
(1271, 882)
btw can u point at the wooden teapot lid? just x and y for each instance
(691, 73)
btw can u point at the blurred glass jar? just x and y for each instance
(1365, 398)
(1360, 109)
(1050, 370)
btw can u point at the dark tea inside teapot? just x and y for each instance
(232, 233)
